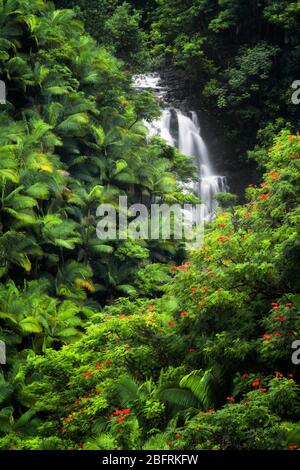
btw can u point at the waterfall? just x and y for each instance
(184, 132)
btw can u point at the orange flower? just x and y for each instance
(265, 196)
(267, 337)
(184, 314)
(88, 374)
(273, 174)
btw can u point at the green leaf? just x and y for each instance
(30, 325)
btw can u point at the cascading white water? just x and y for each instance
(189, 142)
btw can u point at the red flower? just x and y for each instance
(230, 398)
(205, 288)
(99, 366)
(256, 383)
(222, 225)
(293, 447)
(108, 362)
(291, 376)
(173, 268)
(117, 412)
(121, 431)
(184, 314)
(178, 435)
(171, 323)
(267, 337)
(263, 390)
(127, 411)
(194, 289)
(222, 239)
(210, 411)
(265, 196)
(212, 275)
(120, 419)
(278, 375)
(280, 318)
(88, 374)
(277, 334)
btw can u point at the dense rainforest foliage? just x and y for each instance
(141, 344)
(240, 56)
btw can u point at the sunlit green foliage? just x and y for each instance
(207, 365)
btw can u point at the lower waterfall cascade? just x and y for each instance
(184, 131)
